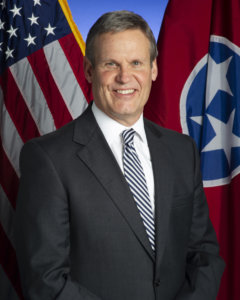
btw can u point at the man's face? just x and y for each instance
(122, 76)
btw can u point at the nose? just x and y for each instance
(123, 75)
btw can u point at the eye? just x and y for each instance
(111, 64)
(136, 63)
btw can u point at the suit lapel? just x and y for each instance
(98, 157)
(161, 163)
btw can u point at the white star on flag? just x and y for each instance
(30, 39)
(217, 79)
(36, 2)
(198, 119)
(9, 53)
(1, 46)
(2, 24)
(50, 29)
(12, 31)
(16, 10)
(224, 139)
(33, 19)
(3, 4)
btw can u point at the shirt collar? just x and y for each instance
(112, 129)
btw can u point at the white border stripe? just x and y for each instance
(11, 141)
(65, 79)
(28, 85)
(6, 215)
(225, 41)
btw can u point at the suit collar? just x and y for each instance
(85, 127)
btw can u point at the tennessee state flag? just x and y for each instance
(197, 92)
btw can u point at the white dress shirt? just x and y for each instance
(112, 131)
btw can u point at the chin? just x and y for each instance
(126, 115)
(124, 112)
(125, 108)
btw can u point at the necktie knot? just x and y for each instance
(128, 136)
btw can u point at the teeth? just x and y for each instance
(124, 92)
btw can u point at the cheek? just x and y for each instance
(99, 84)
(145, 81)
(105, 78)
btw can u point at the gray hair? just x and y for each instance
(118, 21)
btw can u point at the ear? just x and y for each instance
(88, 69)
(154, 70)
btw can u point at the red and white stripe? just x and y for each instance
(38, 94)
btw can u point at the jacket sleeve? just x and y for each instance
(42, 231)
(204, 265)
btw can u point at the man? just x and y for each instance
(111, 206)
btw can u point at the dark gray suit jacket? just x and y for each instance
(79, 234)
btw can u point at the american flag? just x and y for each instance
(42, 87)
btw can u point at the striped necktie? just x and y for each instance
(135, 177)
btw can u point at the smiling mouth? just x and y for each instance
(125, 92)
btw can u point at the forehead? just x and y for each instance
(128, 42)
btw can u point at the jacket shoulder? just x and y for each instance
(169, 136)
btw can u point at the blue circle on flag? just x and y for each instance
(210, 111)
